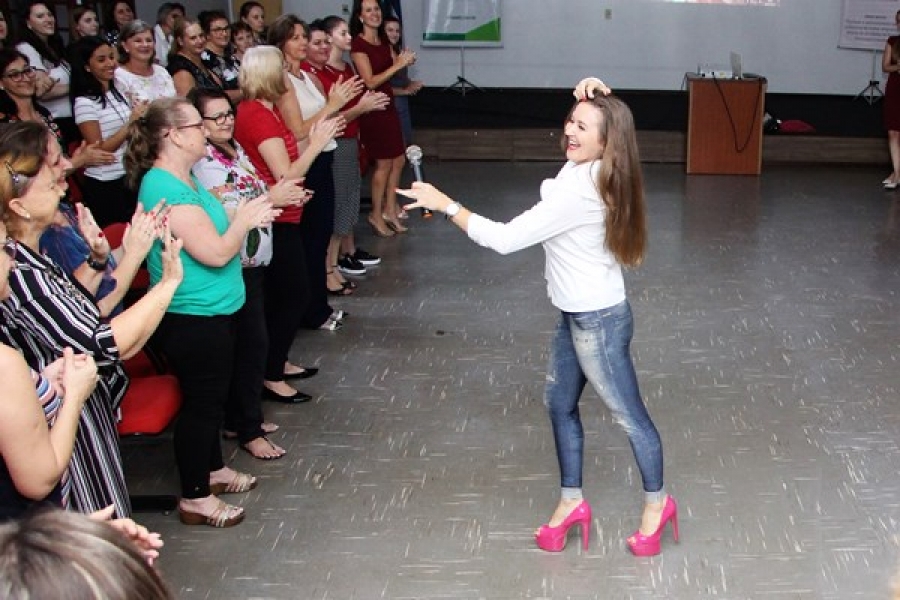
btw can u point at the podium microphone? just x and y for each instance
(414, 156)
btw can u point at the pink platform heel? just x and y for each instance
(553, 539)
(650, 545)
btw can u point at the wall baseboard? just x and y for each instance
(655, 146)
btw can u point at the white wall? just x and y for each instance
(645, 45)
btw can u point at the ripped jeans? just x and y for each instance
(595, 346)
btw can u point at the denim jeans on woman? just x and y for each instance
(595, 346)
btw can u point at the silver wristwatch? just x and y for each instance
(452, 209)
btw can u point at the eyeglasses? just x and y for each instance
(220, 118)
(197, 125)
(219, 29)
(19, 180)
(18, 76)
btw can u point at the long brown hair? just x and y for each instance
(619, 181)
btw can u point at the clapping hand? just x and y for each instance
(92, 155)
(373, 100)
(289, 192)
(325, 130)
(173, 270)
(143, 229)
(343, 91)
(91, 232)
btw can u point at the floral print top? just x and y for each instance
(233, 180)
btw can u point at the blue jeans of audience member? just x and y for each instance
(595, 346)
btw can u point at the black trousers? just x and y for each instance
(286, 295)
(243, 411)
(109, 201)
(200, 351)
(317, 226)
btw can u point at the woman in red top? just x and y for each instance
(379, 131)
(272, 148)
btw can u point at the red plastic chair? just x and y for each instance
(149, 407)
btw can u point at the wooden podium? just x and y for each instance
(725, 125)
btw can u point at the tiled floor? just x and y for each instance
(767, 317)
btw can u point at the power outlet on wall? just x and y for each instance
(607, 14)
(345, 9)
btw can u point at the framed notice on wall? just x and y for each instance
(462, 23)
(867, 24)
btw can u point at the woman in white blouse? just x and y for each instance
(40, 42)
(591, 221)
(103, 115)
(138, 76)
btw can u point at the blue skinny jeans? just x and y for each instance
(595, 346)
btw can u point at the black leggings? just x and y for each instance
(317, 226)
(287, 295)
(200, 351)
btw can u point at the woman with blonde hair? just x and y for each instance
(590, 221)
(272, 148)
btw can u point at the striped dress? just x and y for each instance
(45, 313)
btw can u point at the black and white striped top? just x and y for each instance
(46, 312)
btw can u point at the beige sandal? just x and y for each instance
(242, 482)
(225, 515)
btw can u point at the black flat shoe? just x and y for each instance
(295, 398)
(303, 373)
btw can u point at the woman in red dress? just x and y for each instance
(379, 131)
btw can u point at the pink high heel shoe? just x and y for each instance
(553, 539)
(649, 545)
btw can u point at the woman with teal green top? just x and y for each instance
(197, 333)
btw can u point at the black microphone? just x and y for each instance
(414, 156)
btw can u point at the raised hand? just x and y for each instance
(406, 58)
(147, 542)
(372, 100)
(138, 110)
(78, 377)
(589, 87)
(425, 195)
(413, 88)
(324, 130)
(91, 232)
(144, 228)
(172, 269)
(289, 192)
(258, 212)
(343, 91)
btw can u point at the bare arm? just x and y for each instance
(90, 130)
(887, 63)
(36, 456)
(274, 152)
(184, 83)
(374, 80)
(133, 327)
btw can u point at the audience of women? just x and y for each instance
(217, 56)
(103, 115)
(48, 311)
(272, 148)
(186, 61)
(197, 332)
(167, 15)
(228, 174)
(379, 131)
(253, 15)
(40, 42)
(138, 77)
(120, 14)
